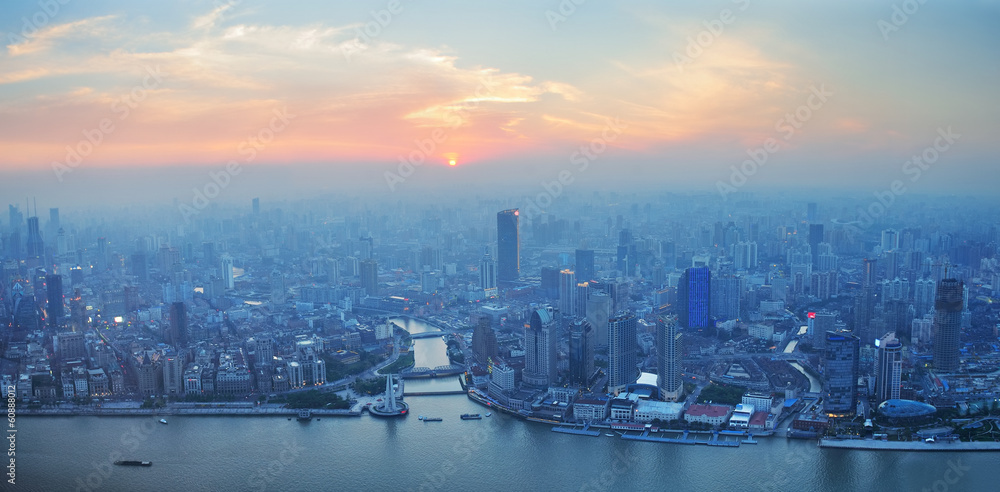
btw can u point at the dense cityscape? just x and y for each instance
(556, 245)
(621, 311)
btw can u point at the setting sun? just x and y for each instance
(452, 162)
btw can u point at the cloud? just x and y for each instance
(45, 38)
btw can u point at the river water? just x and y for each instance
(496, 453)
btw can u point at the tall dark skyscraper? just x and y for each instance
(581, 352)
(55, 311)
(864, 302)
(484, 341)
(622, 346)
(139, 267)
(947, 324)
(508, 246)
(36, 248)
(841, 371)
(815, 237)
(178, 334)
(584, 265)
(540, 350)
(669, 349)
(369, 276)
(694, 294)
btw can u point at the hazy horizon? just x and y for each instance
(340, 93)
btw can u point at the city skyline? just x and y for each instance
(559, 245)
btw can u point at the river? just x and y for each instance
(498, 452)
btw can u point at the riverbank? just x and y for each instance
(872, 445)
(257, 411)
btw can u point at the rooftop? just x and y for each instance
(708, 410)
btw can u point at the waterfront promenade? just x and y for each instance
(873, 445)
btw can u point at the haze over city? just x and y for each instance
(556, 245)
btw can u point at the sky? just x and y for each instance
(638, 93)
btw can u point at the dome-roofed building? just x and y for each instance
(906, 412)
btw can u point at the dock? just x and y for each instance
(585, 431)
(714, 441)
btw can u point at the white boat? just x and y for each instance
(163, 421)
(489, 414)
(609, 434)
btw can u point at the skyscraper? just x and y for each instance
(627, 256)
(864, 302)
(598, 313)
(54, 220)
(277, 288)
(669, 350)
(694, 293)
(539, 350)
(726, 297)
(567, 293)
(178, 334)
(888, 368)
(745, 255)
(585, 264)
(947, 324)
(622, 346)
(36, 248)
(581, 352)
(841, 371)
(820, 323)
(369, 277)
(227, 272)
(484, 341)
(815, 237)
(890, 239)
(55, 311)
(508, 246)
(488, 275)
(582, 296)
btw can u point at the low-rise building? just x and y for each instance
(741, 416)
(623, 406)
(664, 411)
(708, 414)
(760, 402)
(591, 408)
